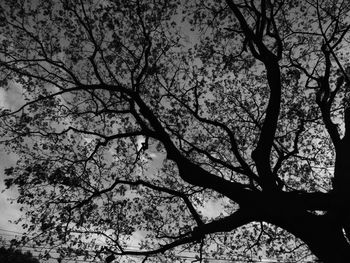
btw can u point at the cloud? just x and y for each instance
(8, 211)
(3, 103)
(11, 97)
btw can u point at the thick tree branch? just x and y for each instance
(261, 154)
(237, 219)
(324, 99)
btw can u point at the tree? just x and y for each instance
(9, 255)
(240, 103)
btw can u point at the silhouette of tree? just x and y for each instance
(10, 255)
(139, 114)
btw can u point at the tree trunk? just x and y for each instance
(329, 245)
(327, 235)
(323, 235)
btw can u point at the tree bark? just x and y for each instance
(323, 234)
(327, 242)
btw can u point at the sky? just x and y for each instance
(10, 211)
(8, 99)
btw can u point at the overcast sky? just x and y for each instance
(8, 99)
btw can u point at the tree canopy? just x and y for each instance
(137, 115)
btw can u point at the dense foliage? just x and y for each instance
(138, 115)
(10, 255)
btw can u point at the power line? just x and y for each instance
(11, 231)
(54, 251)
